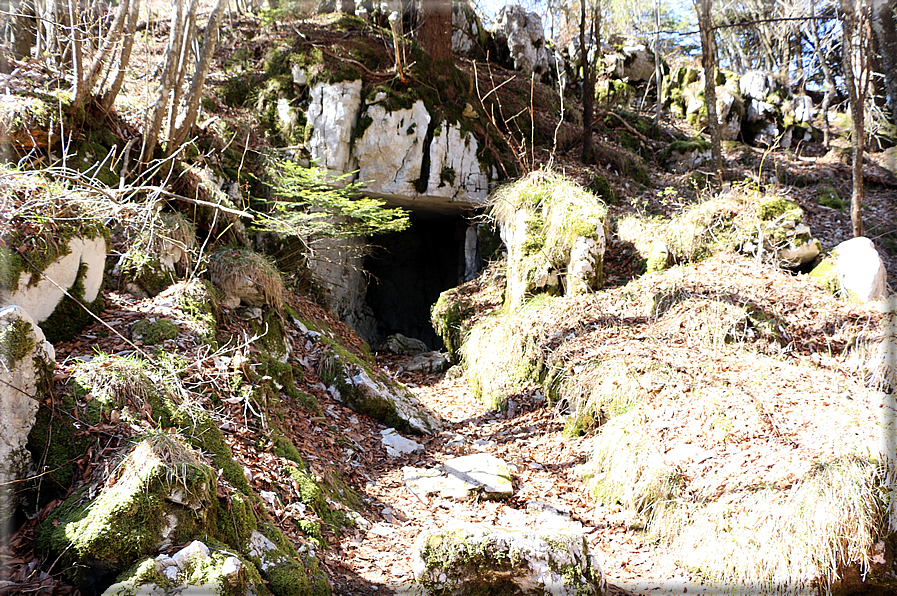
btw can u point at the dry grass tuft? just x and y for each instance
(787, 540)
(627, 467)
(502, 353)
(566, 209)
(248, 275)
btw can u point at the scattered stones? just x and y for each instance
(404, 346)
(397, 445)
(472, 559)
(431, 362)
(461, 477)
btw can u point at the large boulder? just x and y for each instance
(78, 271)
(360, 388)
(26, 374)
(853, 269)
(482, 559)
(550, 226)
(638, 63)
(525, 39)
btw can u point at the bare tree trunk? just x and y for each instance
(658, 71)
(436, 29)
(166, 81)
(185, 124)
(708, 60)
(108, 98)
(91, 76)
(884, 25)
(821, 55)
(857, 32)
(589, 75)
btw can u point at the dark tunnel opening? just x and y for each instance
(410, 269)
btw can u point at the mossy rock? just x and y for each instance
(828, 196)
(449, 317)
(162, 491)
(73, 312)
(154, 332)
(773, 208)
(825, 273)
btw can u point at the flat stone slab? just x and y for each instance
(484, 559)
(462, 477)
(396, 444)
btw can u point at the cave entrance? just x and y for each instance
(410, 269)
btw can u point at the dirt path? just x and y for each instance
(545, 468)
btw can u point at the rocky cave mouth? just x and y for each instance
(408, 270)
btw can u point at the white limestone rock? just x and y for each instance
(466, 29)
(462, 478)
(525, 38)
(455, 171)
(638, 63)
(803, 109)
(468, 559)
(389, 153)
(861, 271)
(364, 394)
(397, 445)
(586, 260)
(332, 112)
(755, 85)
(39, 296)
(26, 364)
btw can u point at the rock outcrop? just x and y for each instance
(473, 559)
(855, 270)
(555, 233)
(752, 107)
(26, 370)
(78, 271)
(524, 36)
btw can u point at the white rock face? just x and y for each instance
(526, 39)
(472, 558)
(759, 111)
(454, 168)
(40, 296)
(390, 152)
(22, 372)
(396, 444)
(861, 270)
(755, 85)
(803, 108)
(586, 259)
(638, 63)
(332, 112)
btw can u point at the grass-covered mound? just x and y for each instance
(729, 412)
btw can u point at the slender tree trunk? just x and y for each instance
(708, 61)
(185, 124)
(826, 73)
(856, 78)
(589, 75)
(108, 98)
(658, 71)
